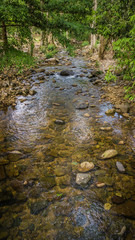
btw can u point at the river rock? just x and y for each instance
(66, 73)
(37, 207)
(106, 129)
(110, 111)
(117, 199)
(3, 161)
(120, 167)
(109, 154)
(82, 106)
(126, 209)
(59, 171)
(124, 107)
(32, 92)
(100, 172)
(83, 178)
(86, 166)
(59, 122)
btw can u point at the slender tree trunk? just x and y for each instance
(102, 47)
(4, 36)
(93, 36)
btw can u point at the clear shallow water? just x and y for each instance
(39, 197)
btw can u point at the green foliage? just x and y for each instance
(109, 76)
(50, 54)
(17, 59)
(130, 92)
(71, 50)
(85, 43)
(51, 47)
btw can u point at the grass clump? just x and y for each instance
(14, 58)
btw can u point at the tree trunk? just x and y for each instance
(93, 36)
(103, 43)
(4, 36)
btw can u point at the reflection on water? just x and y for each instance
(40, 158)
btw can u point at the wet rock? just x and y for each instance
(106, 129)
(125, 108)
(100, 173)
(74, 85)
(95, 73)
(32, 92)
(86, 115)
(52, 61)
(37, 207)
(59, 171)
(123, 230)
(63, 181)
(110, 111)
(14, 156)
(59, 122)
(82, 106)
(97, 82)
(109, 154)
(48, 182)
(16, 185)
(3, 161)
(86, 166)
(117, 200)
(126, 209)
(66, 73)
(120, 167)
(2, 173)
(83, 178)
(100, 185)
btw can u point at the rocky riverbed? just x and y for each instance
(67, 159)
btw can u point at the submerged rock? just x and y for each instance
(37, 207)
(81, 106)
(110, 111)
(117, 200)
(126, 209)
(83, 178)
(86, 166)
(120, 167)
(66, 73)
(109, 154)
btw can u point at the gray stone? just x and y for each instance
(120, 167)
(109, 154)
(83, 178)
(59, 122)
(66, 73)
(82, 106)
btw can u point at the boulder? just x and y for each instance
(82, 106)
(124, 107)
(66, 73)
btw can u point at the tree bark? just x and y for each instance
(93, 36)
(4, 36)
(102, 48)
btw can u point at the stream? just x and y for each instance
(43, 141)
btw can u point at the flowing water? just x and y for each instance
(43, 141)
